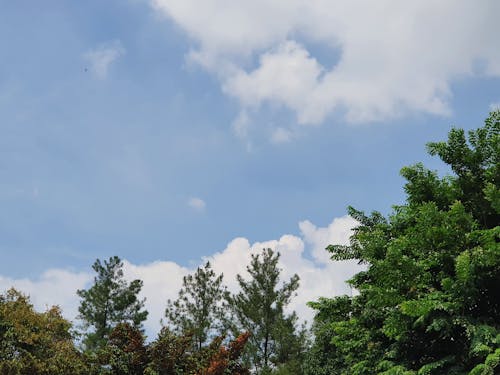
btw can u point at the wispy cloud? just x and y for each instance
(281, 135)
(101, 58)
(197, 204)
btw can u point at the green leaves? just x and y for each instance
(428, 300)
(33, 342)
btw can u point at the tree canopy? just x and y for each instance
(35, 343)
(428, 301)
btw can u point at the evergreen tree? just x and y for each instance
(201, 306)
(111, 300)
(428, 300)
(259, 309)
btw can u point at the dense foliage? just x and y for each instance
(429, 299)
(33, 342)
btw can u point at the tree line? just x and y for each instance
(206, 330)
(427, 301)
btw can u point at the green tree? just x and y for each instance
(259, 309)
(428, 301)
(111, 300)
(34, 343)
(201, 306)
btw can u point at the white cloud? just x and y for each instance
(53, 287)
(197, 204)
(241, 124)
(285, 76)
(281, 135)
(394, 58)
(162, 281)
(101, 58)
(319, 276)
(304, 255)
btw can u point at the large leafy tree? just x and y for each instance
(36, 343)
(428, 301)
(201, 306)
(259, 308)
(109, 301)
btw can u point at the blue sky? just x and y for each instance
(163, 130)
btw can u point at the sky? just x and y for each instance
(171, 132)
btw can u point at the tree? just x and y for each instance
(259, 309)
(111, 300)
(201, 306)
(171, 354)
(227, 359)
(124, 353)
(428, 300)
(35, 343)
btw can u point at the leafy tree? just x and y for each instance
(428, 300)
(35, 343)
(169, 353)
(259, 309)
(172, 354)
(111, 300)
(124, 353)
(201, 306)
(227, 359)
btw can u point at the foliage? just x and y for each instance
(111, 300)
(171, 354)
(201, 306)
(35, 343)
(259, 309)
(124, 353)
(428, 300)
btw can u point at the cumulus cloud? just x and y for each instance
(302, 254)
(101, 58)
(393, 58)
(197, 204)
(162, 281)
(53, 287)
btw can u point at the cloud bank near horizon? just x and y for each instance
(384, 59)
(303, 254)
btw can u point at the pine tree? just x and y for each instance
(200, 308)
(259, 309)
(111, 300)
